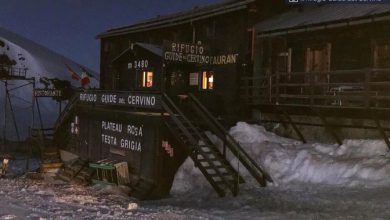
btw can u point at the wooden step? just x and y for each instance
(64, 177)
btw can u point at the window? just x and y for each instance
(75, 126)
(382, 55)
(194, 79)
(283, 62)
(147, 79)
(207, 80)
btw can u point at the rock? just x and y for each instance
(132, 206)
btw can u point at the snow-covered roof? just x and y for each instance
(40, 62)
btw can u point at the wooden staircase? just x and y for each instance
(206, 155)
(78, 172)
(142, 189)
(229, 143)
(66, 112)
(211, 160)
(42, 138)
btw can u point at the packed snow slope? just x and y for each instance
(40, 62)
(356, 163)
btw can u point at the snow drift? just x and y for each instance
(40, 62)
(360, 163)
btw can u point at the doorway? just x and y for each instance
(317, 65)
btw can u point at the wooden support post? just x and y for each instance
(381, 130)
(312, 84)
(328, 126)
(367, 80)
(248, 99)
(270, 88)
(277, 89)
(281, 120)
(294, 126)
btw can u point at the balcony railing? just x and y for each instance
(352, 88)
(10, 72)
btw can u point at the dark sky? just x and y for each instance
(69, 27)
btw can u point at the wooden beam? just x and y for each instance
(294, 126)
(328, 126)
(281, 120)
(381, 130)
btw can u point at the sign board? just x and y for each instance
(47, 93)
(127, 136)
(139, 100)
(138, 64)
(196, 54)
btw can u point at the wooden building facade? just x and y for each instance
(173, 77)
(329, 60)
(222, 29)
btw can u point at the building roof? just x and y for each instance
(155, 49)
(316, 17)
(195, 14)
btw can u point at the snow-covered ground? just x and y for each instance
(311, 181)
(35, 199)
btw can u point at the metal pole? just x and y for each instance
(33, 108)
(13, 117)
(60, 108)
(39, 113)
(32, 120)
(5, 112)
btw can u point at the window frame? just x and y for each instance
(202, 85)
(143, 74)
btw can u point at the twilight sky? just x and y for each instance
(69, 27)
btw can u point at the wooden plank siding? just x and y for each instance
(345, 67)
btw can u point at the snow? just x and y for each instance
(40, 62)
(25, 198)
(364, 163)
(311, 181)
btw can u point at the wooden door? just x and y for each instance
(317, 64)
(283, 69)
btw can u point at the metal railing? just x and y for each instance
(353, 88)
(228, 141)
(7, 71)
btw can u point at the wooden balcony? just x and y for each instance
(355, 94)
(364, 88)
